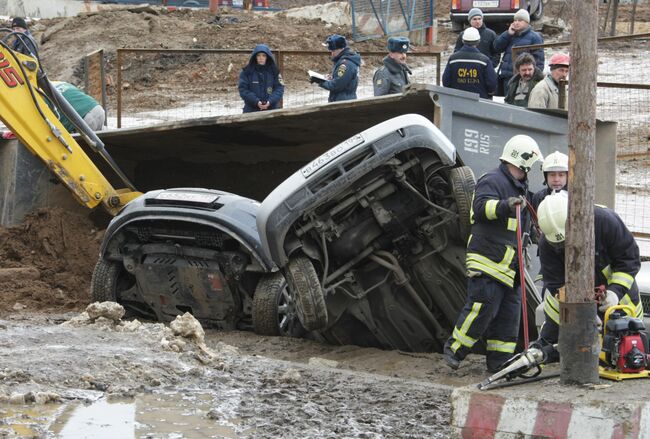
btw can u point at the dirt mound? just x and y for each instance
(47, 262)
(65, 41)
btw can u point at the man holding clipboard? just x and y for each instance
(342, 82)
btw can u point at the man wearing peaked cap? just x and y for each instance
(470, 70)
(342, 82)
(475, 18)
(393, 76)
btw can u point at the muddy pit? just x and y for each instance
(63, 373)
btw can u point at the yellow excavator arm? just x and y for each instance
(24, 88)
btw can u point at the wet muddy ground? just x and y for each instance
(65, 376)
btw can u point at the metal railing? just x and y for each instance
(169, 78)
(95, 77)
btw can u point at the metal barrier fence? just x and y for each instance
(169, 85)
(623, 59)
(95, 76)
(373, 19)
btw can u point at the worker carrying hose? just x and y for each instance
(617, 262)
(493, 305)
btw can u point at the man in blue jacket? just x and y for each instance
(24, 43)
(470, 70)
(342, 83)
(518, 34)
(260, 82)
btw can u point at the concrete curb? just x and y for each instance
(487, 415)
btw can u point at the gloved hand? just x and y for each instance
(611, 299)
(312, 80)
(514, 201)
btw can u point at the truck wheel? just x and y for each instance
(308, 294)
(274, 310)
(109, 277)
(457, 26)
(462, 185)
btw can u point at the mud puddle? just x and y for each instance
(72, 376)
(170, 414)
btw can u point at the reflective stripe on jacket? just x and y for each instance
(617, 259)
(491, 248)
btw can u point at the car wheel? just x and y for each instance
(462, 186)
(538, 12)
(307, 292)
(274, 310)
(108, 278)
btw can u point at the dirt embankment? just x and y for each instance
(47, 261)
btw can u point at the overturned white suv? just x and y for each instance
(371, 237)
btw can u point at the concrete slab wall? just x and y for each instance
(48, 8)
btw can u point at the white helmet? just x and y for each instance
(521, 151)
(471, 35)
(556, 162)
(551, 216)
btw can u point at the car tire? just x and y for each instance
(274, 311)
(462, 185)
(534, 16)
(105, 280)
(307, 293)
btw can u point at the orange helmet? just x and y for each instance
(559, 59)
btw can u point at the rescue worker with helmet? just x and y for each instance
(556, 175)
(493, 305)
(617, 262)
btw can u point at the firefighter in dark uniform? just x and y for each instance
(342, 83)
(556, 175)
(470, 70)
(617, 262)
(393, 76)
(493, 304)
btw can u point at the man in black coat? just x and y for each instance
(470, 70)
(475, 18)
(520, 86)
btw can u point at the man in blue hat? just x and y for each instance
(393, 76)
(342, 83)
(485, 46)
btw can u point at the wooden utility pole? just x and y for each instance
(612, 27)
(578, 344)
